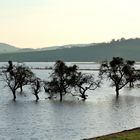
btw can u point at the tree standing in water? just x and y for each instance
(16, 76)
(36, 87)
(118, 71)
(66, 79)
(24, 76)
(60, 78)
(84, 83)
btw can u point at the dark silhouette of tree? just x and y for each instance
(122, 39)
(53, 88)
(137, 78)
(130, 73)
(18, 77)
(66, 79)
(84, 82)
(11, 82)
(112, 41)
(60, 79)
(36, 87)
(24, 76)
(118, 71)
(10, 67)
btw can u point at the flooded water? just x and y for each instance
(72, 119)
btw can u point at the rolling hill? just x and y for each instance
(128, 49)
(6, 48)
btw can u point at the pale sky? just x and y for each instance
(42, 23)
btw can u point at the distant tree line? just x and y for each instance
(69, 80)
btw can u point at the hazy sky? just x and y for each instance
(41, 23)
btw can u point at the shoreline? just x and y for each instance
(131, 134)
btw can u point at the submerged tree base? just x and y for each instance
(133, 134)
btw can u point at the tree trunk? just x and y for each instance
(21, 89)
(117, 92)
(37, 98)
(83, 96)
(14, 95)
(65, 90)
(61, 96)
(131, 85)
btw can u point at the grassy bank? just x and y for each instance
(133, 134)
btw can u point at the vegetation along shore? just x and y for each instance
(133, 134)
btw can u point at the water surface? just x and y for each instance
(72, 119)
